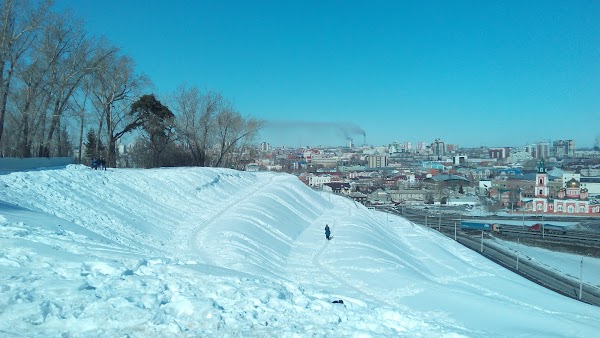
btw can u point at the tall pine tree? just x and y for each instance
(157, 121)
(93, 146)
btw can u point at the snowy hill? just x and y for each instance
(216, 252)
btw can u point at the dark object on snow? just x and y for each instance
(338, 301)
(327, 232)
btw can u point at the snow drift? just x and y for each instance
(217, 252)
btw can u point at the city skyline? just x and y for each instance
(562, 146)
(508, 74)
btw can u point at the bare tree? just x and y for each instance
(114, 87)
(80, 103)
(196, 113)
(77, 57)
(231, 128)
(48, 80)
(19, 20)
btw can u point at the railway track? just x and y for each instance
(451, 222)
(549, 279)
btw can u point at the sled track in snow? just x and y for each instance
(316, 261)
(198, 233)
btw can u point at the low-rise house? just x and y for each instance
(317, 181)
(446, 180)
(358, 197)
(462, 200)
(592, 184)
(338, 187)
(379, 196)
(407, 195)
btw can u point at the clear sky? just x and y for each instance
(496, 73)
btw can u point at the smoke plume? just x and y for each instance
(344, 131)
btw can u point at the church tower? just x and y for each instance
(541, 188)
(541, 181)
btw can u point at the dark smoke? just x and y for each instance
(345, 130)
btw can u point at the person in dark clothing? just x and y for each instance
(102, 163)
(327, 232)
(94, 163)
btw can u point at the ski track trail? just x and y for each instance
(307, 263)
(198, 232)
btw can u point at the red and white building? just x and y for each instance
(570, 199)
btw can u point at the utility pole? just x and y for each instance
(440, 220)
(454, 230)
(481, 249)
(517, 260)
(581, 278)
(543, 231)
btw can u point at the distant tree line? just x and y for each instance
(62, 90)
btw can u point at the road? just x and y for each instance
(547, 278)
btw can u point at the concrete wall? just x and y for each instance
(16, 164)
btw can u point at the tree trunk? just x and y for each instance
(53, 125)
(111, 158)
(81, 136)
(25, 148)
(4, 98)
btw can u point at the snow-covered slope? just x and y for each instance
(216, 252)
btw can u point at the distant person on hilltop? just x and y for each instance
(94, 163)
(327, 232)
(102, 163)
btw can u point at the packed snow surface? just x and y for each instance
(202, 252)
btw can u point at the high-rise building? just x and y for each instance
(438, 148)
(563, 148)
(421, 146)
(378, 161)
(541, 150)
(499, 153)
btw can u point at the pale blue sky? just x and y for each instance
(496, 73)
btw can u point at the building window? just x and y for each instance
(582, 209)
(570, 209)
(559, 208)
